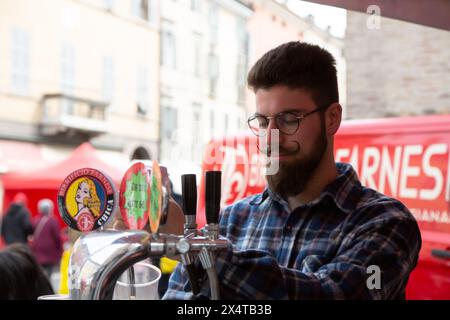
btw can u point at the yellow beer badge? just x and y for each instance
(86, 199)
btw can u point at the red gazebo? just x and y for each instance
(45, 182)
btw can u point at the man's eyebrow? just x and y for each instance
(293, 110)
(290, 110)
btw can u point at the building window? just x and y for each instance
(169, 121)
(213, 21)
(213, 73)
(153, 11)
(108, 4)
(107, 78)
(170, 139)
(168, 45)
(241, 72)
(67, 68)
(197, 54)
(196, 132)
(142, 91)
(212, 123)
(242, 60)
(67, 75)
(195, 5)
(140, 9)
(20, 50)
(227, 123)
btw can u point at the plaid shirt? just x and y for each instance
(320, 250)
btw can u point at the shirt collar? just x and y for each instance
(345, 189)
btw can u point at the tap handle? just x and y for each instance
(212, 195)
(189, 194)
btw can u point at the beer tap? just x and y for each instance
(189, 196)
(212, 209)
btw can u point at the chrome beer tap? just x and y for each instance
(212, 209)
(189, 196)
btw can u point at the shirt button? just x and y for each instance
(289, 228)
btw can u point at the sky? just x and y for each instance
(323, 15)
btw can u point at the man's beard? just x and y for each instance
(293, 176)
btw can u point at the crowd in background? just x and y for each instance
(32, 252)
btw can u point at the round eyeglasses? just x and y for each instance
(287, 122)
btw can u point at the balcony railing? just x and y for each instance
(66, 114)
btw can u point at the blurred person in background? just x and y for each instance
(16, 224)
(46, 242)
(21, 277)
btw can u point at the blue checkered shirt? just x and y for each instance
(330, 248)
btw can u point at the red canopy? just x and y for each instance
(19, 156)
(45, 182)
(52, 177)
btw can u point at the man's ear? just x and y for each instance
(333, 117)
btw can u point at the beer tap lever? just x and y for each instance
(212, 202)
(212, 209)
(189, 196)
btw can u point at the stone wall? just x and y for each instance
(400, 69)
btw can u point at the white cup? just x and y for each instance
(146, 283)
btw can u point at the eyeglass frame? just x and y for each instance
(299, 119)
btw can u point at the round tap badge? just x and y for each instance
(135, 197)
(155, 197)
(86, 199)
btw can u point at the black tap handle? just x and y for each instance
(189, 194)
(212, 196)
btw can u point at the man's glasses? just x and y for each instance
(287, 122)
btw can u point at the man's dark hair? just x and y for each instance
(298, 65)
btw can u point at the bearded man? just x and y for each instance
(315, 232)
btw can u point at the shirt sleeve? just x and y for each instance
(178, 287)
(391, 245)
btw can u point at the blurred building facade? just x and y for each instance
(207, 49)
(395, 68)
(203, 68)
(139, 79)
(273, 23)
(80, 70)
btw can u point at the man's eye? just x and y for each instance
(288, 119)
